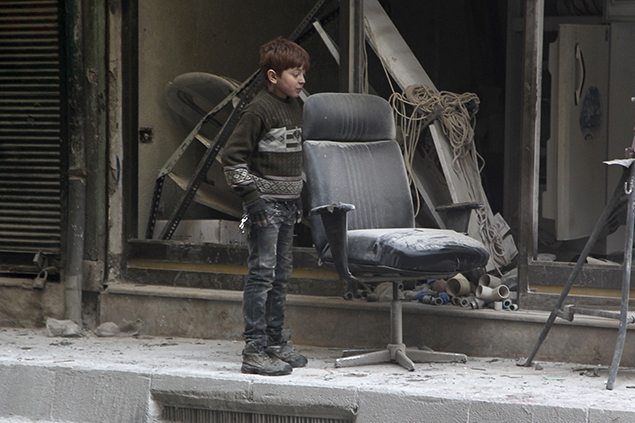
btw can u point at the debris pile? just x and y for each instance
(471, 291)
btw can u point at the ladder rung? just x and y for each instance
(203, 140)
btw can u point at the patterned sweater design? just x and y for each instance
(263, 156)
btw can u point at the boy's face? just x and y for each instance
(287, 84)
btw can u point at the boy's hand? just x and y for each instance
(256, 212)
(298, 211)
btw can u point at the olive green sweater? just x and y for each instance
(263, 156)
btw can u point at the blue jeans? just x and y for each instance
(270, 264)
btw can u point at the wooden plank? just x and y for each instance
(387, 42)
(463, 182)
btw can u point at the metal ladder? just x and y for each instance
(244, 93)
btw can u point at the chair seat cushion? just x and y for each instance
(430, 251)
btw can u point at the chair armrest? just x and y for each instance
(335, 226)
(330, 208)
(457, 216)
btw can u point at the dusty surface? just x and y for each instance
(486, 379)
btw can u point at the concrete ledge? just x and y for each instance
(93, 379)
(334, 322)
(72, 395)
(255, 397)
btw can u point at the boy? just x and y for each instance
(262, 162)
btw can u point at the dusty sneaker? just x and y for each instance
(257, 361)
(288, 354)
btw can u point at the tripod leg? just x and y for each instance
(402, 359)
(375, 357)
(613, 203)
(626, 279)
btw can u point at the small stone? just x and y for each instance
(129, 328)
(107, 329)
(66, 328)
(538, 367)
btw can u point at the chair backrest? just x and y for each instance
(351, 156)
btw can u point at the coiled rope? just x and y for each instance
(414, 110)
(456, 113)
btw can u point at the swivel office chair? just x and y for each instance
(362, 216)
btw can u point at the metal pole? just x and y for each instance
(396, 333)
(532, 82)
(626, 278)
(628, 259)
(73, 275)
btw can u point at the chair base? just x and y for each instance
(399, 354)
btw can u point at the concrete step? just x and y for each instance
(337, 323)
(215, 266)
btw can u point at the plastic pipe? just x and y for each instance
(426, 299)
(492, 294)
(507, 303)
(495, 305)
(489, 280)
(458, 286)
(429, 299)
(465, 302)
(477, 303)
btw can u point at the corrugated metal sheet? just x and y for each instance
(30, 126)
(198, 415)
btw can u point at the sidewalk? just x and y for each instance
(129, 379)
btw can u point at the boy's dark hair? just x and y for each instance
(280, 54)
